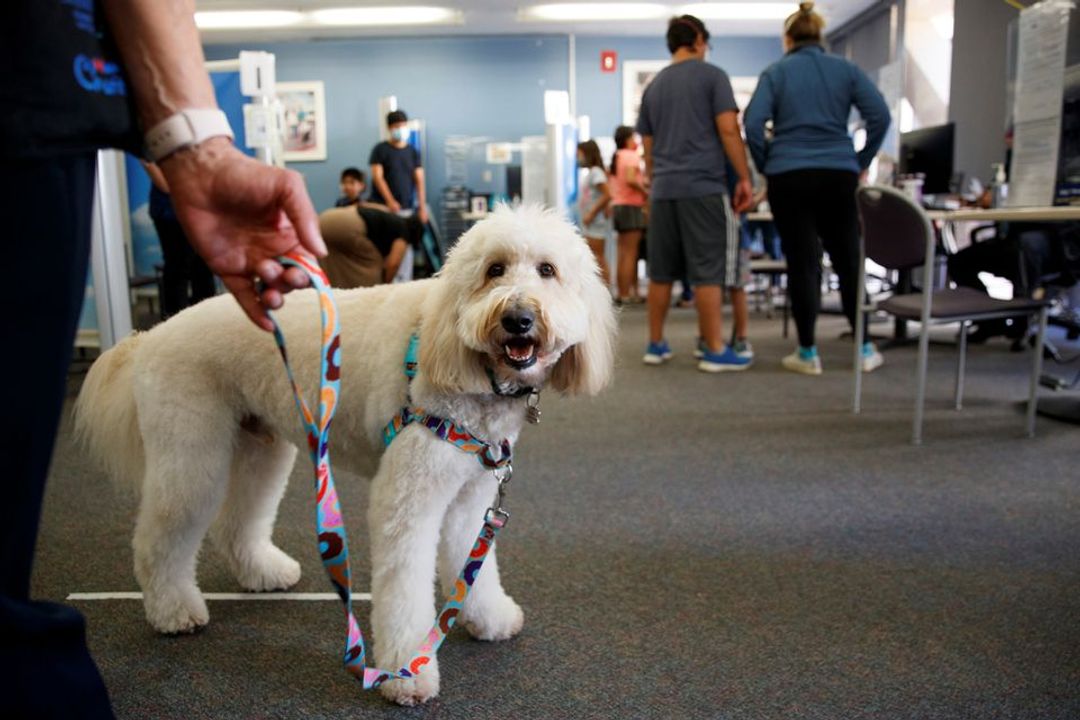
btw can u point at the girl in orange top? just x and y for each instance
(628, 198)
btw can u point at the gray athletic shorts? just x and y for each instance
(696, 239)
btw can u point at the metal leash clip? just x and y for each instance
(532, 408)
(497, 511)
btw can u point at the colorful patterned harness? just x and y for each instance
(443, 428)
(333, 543)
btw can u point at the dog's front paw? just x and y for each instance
(500, 620)
(415, 690)
(268, 569)
(174, 611)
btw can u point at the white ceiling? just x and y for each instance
(495, 17)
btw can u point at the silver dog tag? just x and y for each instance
(532, 409)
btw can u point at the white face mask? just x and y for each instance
(401, 134)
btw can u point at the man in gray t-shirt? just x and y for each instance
(678, 112)
(689, 121)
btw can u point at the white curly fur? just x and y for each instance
(199, 412)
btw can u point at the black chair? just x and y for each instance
(896, 234)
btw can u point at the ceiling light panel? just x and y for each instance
(241, 19)
(583, 12)
(401, 15)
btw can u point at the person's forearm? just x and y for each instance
(646, 143)
(162, 54)
(384, 189)
(421, 191)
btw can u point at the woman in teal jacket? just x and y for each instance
(813, 170)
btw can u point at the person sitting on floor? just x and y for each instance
(391, 234)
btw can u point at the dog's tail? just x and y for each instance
(106, 417)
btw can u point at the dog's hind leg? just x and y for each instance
(489, 613)
(242, 532)
(187, 471)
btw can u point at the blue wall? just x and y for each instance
(459, 86)
(478, 86)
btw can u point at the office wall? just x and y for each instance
(460, 86)
(978, 99)
(868, 40)
(478, 86)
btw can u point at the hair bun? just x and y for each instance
(806, 7)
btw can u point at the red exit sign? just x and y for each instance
(609, 60)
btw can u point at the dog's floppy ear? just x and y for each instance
(447, 363)
(586, 368)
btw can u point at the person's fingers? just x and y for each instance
(281, 278)
(293, 279)
(301, 213)
(269, 270)
(271, 298)
(243, 289)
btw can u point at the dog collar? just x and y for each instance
(496, 388)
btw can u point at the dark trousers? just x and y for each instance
(815, 210)
(45, 212)
(185, 277)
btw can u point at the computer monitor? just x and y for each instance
(929, 151)
(513, 182)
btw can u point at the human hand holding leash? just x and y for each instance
(240, 216)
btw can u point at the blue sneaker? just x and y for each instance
(742, 348)
(657, 353)
(725, 361)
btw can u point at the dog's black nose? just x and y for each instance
(518, 322)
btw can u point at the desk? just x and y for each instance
(1060, 408)
(1056, 213)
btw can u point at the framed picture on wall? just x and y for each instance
(636, 75)
(304, 113)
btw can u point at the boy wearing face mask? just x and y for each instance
(396, 172)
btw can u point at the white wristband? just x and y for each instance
(188, 127)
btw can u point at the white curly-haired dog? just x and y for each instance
(199, 414)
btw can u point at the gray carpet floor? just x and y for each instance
(684, 546)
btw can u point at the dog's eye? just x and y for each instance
(496, 270)
(546, 270)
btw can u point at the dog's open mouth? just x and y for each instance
(519, 352)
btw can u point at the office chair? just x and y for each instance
(896, 234)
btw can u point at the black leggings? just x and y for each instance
(813, 209)
(45, 210)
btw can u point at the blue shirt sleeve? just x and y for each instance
(416, 157)
(757, 113)
(873, 109)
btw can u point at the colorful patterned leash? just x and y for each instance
(333, 542)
